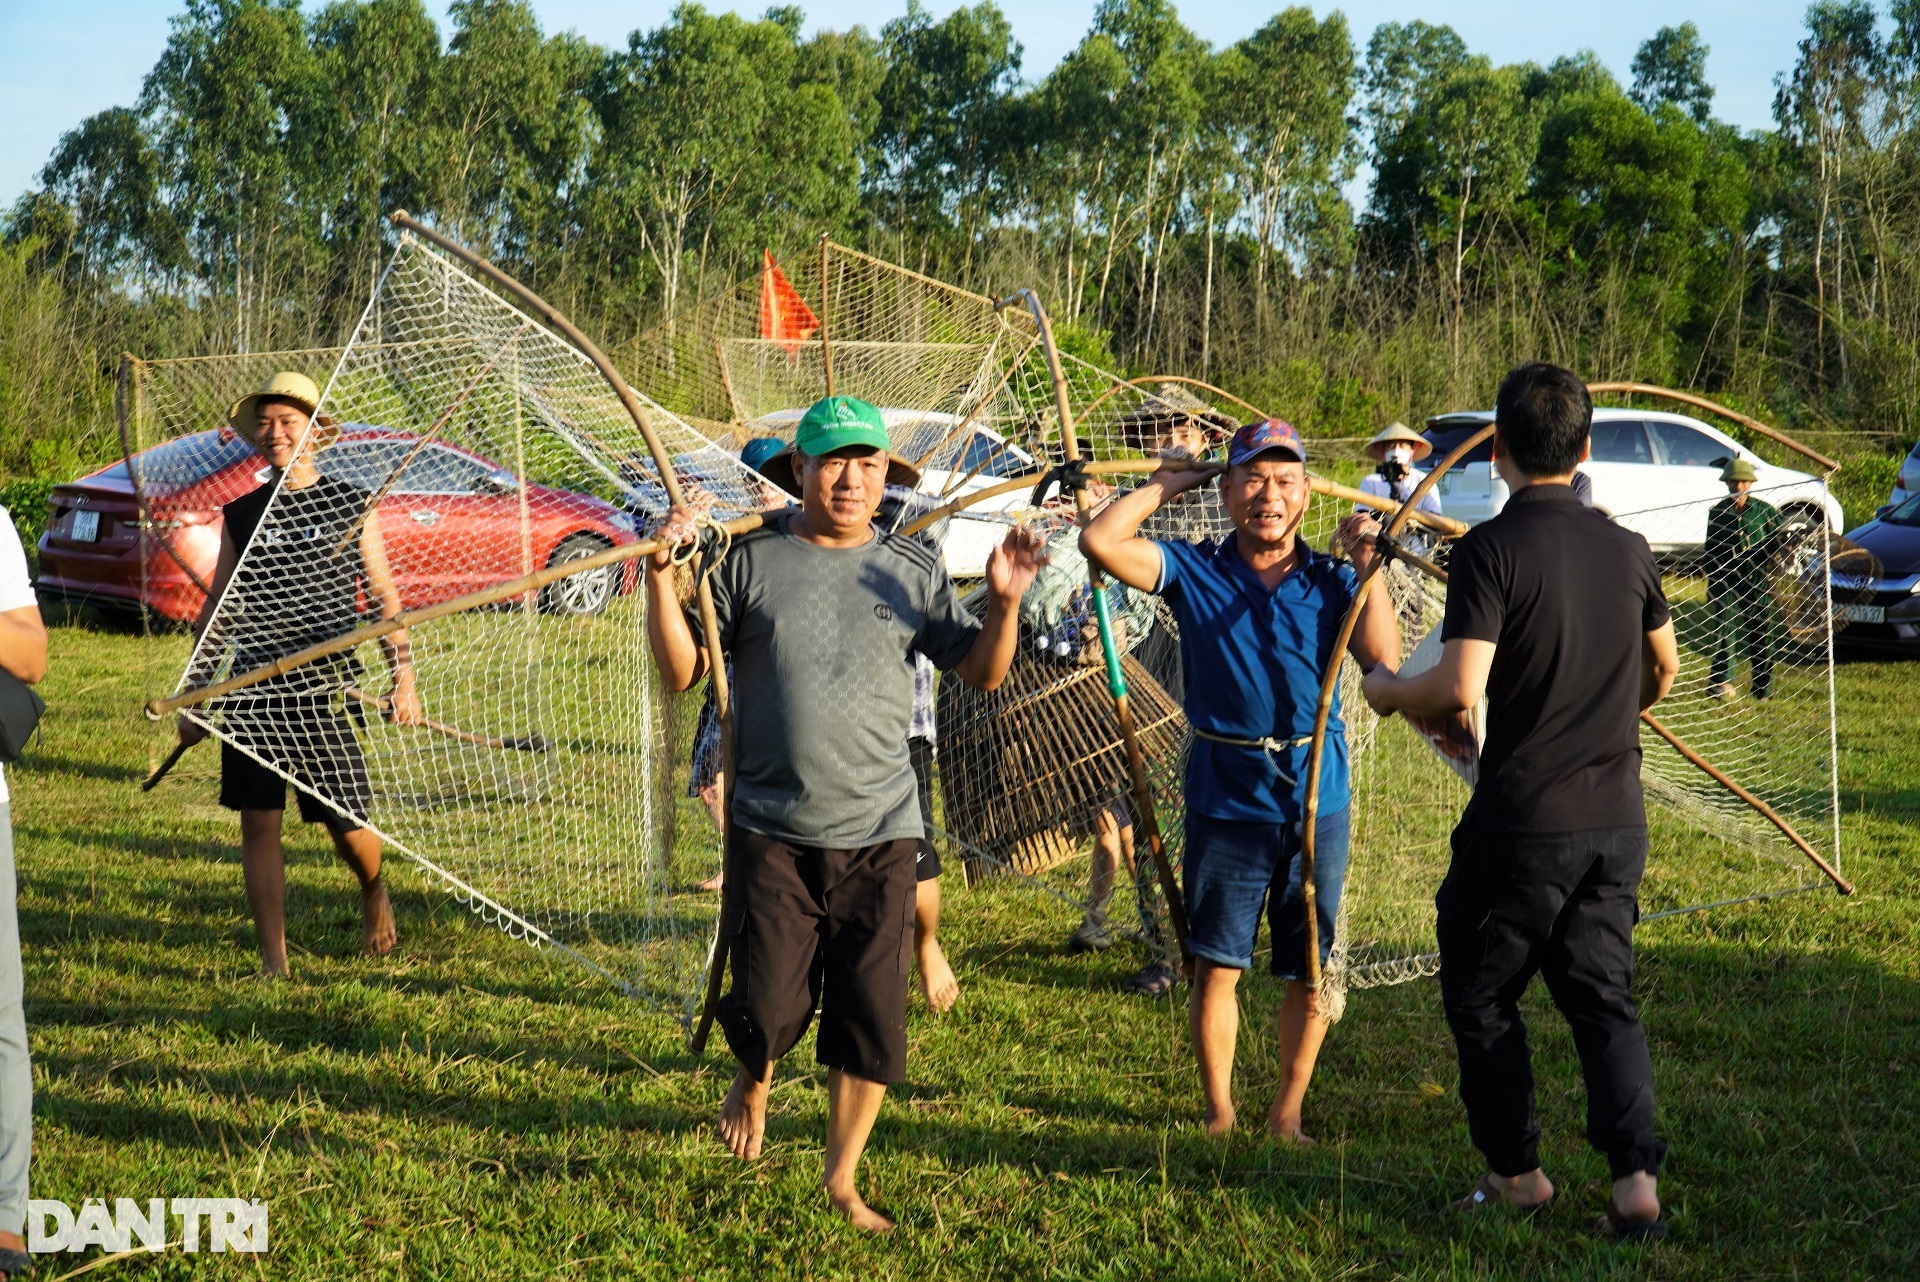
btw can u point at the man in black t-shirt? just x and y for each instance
(295, 556)
(1557, 616)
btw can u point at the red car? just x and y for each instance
(451, 524)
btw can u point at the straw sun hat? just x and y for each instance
(1398, 434)
(286, 385)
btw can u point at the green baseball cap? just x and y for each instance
(836, 423)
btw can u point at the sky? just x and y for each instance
(64, 60)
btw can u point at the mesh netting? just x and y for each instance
(1708, 846)
(548, 786)
(559, 790)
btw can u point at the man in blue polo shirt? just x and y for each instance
(1259, 613)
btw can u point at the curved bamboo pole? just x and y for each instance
(1145, 466)
(1145, 814)
(716, 661)
(156, 708)
(1766, 812)
(517, 743)
(1316, 752)
(1713, 407)
(1139, 385)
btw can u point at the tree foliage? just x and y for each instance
(1192, 207)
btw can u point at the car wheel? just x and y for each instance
(580, 595)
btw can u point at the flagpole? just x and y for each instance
(826, 308)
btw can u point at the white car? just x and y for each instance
(1907, 484)
(972, 458)
(1656, 473)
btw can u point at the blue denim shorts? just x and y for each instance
(1233, 869)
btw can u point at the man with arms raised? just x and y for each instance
(821, 614)
(1259, 611)
(1555, 614)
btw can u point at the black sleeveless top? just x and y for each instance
(290, 591)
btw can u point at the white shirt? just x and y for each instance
(16, 589)
(1374, 483)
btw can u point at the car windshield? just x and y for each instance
(432, 470)
(1907, 513)
(187, 460)
(992, 457)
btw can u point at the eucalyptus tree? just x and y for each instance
(1283, 102)
(715, 139)
(944, 123)
(220, 103)
(1672, 67)
(1455, 166)
(505, 130)
(360, 131)
(1645, 206)
(1825, 107)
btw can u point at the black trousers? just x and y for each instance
(816, 928)
(1563, 904)
(1744, 616)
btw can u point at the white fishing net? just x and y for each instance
(548, 786)
(558, 790)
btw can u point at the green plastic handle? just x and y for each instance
(1116, 680)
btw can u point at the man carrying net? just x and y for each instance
(1258, 614)
(310, 547)
(1557, 615)
(820, 614)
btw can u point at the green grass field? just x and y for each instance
(474, 1108)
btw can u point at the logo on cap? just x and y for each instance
(1256, 439)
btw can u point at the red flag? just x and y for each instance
(784, 315)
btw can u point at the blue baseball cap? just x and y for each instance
(1256, 439)
(760, 449)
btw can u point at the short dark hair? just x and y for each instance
(1544, 415)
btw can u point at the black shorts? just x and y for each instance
(926, 864)
(311, 736)
(810, 928)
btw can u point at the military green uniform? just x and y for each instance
(1741, 544)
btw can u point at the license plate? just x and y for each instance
(1845, 614)
(86, 527)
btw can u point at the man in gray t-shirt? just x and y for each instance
(820, 614)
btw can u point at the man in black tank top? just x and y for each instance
(283, 589)
(1558, 616)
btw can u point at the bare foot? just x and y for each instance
(273, 974)
(379, 936)
(1636, 1198)
(712, 883)
(743, 1118)
(1219, 1120)
(862, 1216)
(936, 977)
(1287, 1131)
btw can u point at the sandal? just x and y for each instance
(14, 1264)
(1486, 1194)
(1155, 979)
(1617, 1228)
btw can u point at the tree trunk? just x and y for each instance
(1206, 302)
